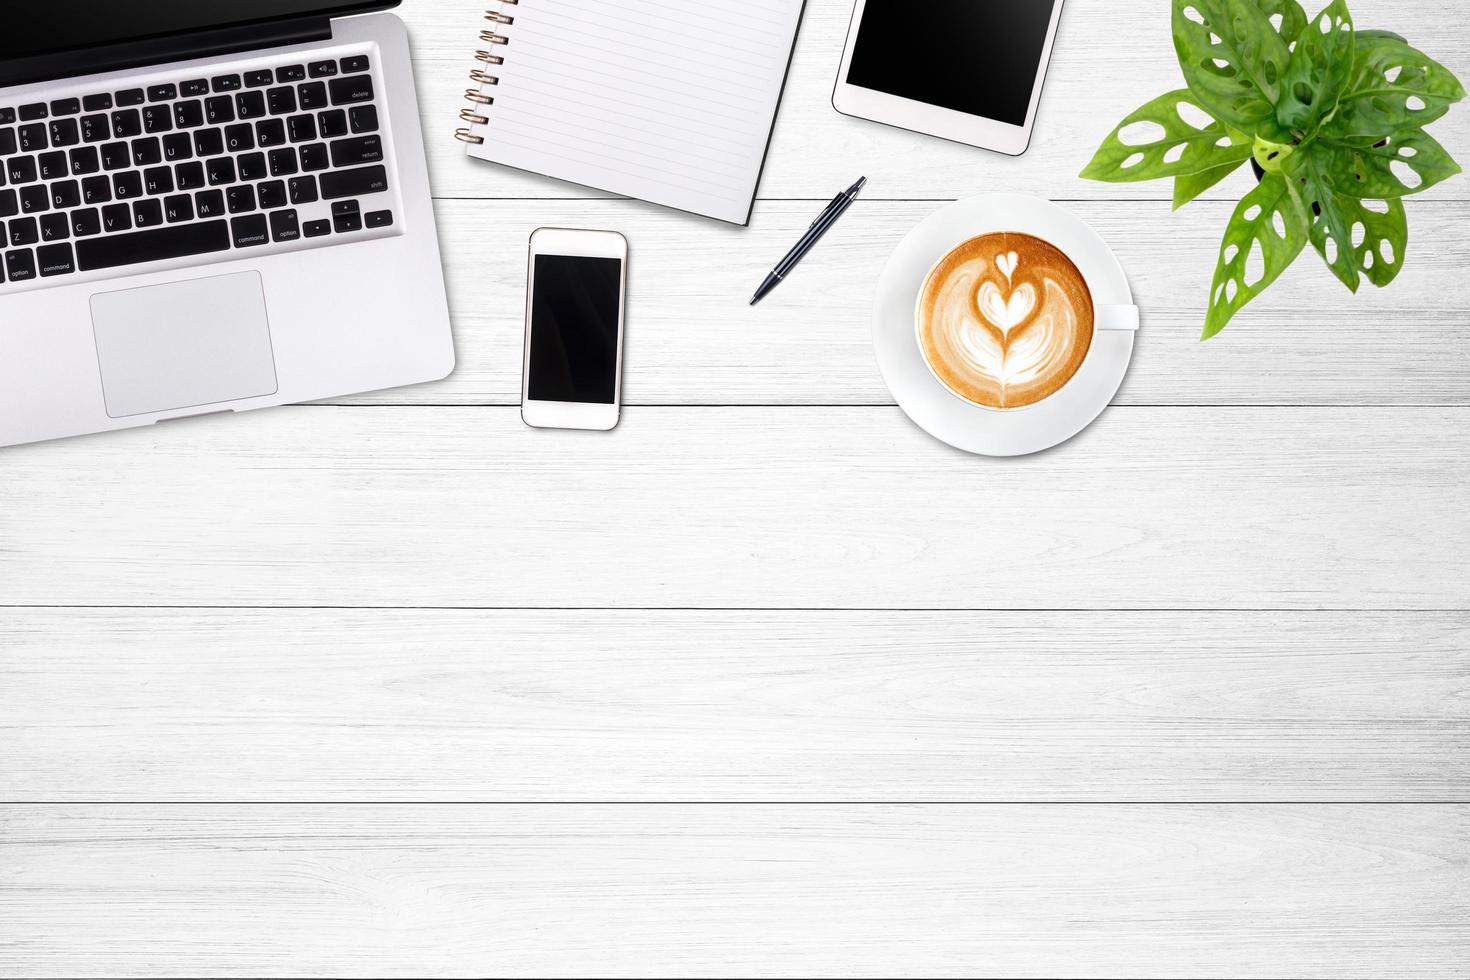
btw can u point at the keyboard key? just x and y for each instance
(314, 96)
(56, 260)
(285, 226)
(95, 129)
(53, 165)
(147, 214)
(303, 190)
(357, 150)
(209, 143)
(301, 129)
(163, 93)
(189, 176)
(55, 228)
(84, 160)
(226, 83)
(66, 107)
(240, 198)
(250, 105)
(178, 208)
(127, 123)
(23, 231)
(270, 132)
(272, 194)
(147, 152)
(177, 147)
(316, 229)
(86, 222)
(210, 204)
(249, 230)
(314, 157)
(34, 199)
(158, 119)
(65, 132)
(159, 180)
(8, 145)
(322, 69)
(190, 114)
(20, 265)
(7, 116)
(281, 100)
(379, 219)
(132, 96)
(346, 217)
(111, 251)
(240, 137)
(116, 218)
(221, 170)
(116, 156)
(253, 166)
(219, 110)
(127, 185)
(65, 195)
(334, 124)
(97, 190)
(354, 183)
(283, 163)
(22, 170)
(291, 73)
(354, 64)
(29, 113)
(32, 138)
(364, 118)
(97, 103)
(345, 91)
(9, 204)
(257, 79)
(197, 86)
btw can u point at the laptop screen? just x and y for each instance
(41, 28)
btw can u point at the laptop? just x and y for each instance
(209, 207)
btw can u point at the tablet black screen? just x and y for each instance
(979, 57)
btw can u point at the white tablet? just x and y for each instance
(965, 70)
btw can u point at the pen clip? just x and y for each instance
(836, 202)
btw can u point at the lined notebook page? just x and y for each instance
(669, 101)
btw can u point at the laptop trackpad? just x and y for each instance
(183, 344)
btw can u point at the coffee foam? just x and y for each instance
(1005, 320)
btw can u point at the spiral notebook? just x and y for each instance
(669, 101)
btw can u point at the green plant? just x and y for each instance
(1333, 117)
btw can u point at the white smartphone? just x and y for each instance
(576, 289)
(958, 69)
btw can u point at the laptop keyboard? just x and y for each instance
(269, 159)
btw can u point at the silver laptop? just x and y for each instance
(229, 210)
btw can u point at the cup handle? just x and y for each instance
(1117, 318)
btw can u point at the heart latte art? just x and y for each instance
(1005, 320)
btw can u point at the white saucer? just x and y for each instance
(941, 412)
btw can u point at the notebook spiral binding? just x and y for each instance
(475, 114)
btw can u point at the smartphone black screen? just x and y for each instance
(979, 57)
(574, 329)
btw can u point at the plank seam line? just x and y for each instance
(836, 610)
(726, 803)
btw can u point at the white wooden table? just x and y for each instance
(768, 682)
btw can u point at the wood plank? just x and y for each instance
(736, 891)
(1110, 58)
(693, 338)
(364, 705)
(746, 507)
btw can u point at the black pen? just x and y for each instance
(814, 234)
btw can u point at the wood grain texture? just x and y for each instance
(362, 705)
(719, 891)
(1111, 56)
(745, 507)
(693, 338)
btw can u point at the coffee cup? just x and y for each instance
(1006, 321)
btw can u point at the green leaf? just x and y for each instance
(1233, 60)
(1353, 238)
(1321, 65)
(1293, 17)
(1392, 84)
(1156, 141)
(1265, 235)
(1405, 162)
(1187, 187)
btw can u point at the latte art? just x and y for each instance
(1005, 320)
